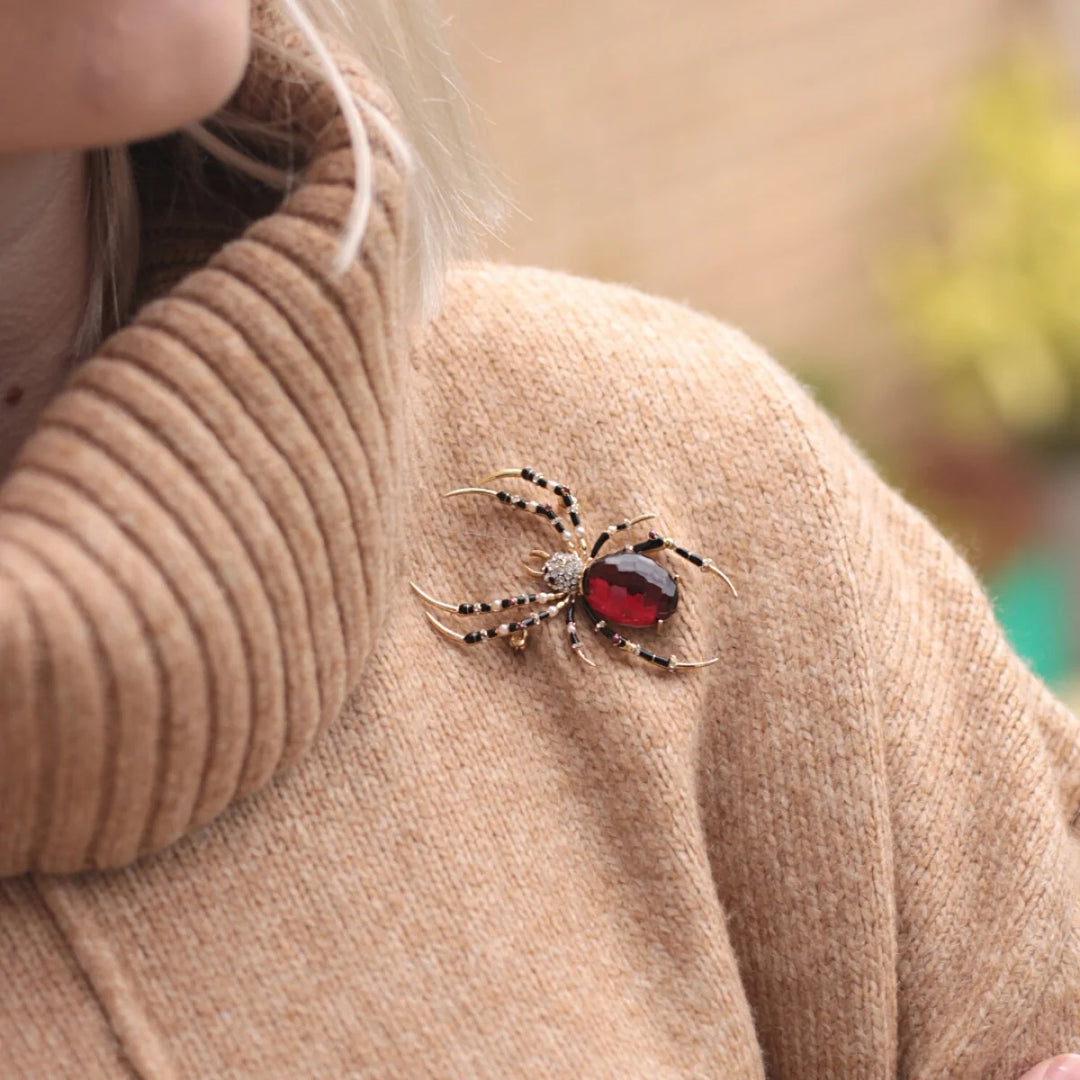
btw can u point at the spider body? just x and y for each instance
(627, 588)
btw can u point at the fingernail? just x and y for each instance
(1064, 1068)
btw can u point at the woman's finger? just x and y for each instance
(1064, 1067)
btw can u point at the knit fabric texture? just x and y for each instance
(257, 819)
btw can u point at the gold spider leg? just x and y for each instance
(560, 491)
(606, 535)
(657, 541)
(481, 608)
(507, 499)
(536, 553)
(506, 630)
(632, 647)
(571, 629)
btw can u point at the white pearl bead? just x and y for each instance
(553, 610)
(503, 630)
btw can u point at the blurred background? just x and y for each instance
(885, 193)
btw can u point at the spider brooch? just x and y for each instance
(626, 588)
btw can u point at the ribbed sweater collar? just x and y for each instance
(197, 542)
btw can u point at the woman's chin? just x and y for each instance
(122, 71)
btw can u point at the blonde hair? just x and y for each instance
(454, 195)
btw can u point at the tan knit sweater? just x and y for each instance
(257, 819)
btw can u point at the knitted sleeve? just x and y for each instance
(191, 543)
(888, 791)
(983, 773)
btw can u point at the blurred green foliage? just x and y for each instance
(991, 292)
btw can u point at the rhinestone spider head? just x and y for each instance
(563, 570)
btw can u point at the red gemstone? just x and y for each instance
(630, 589)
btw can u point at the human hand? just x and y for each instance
(1064, 1067)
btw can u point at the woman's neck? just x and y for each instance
(43, 283)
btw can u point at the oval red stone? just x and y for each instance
(630, 589)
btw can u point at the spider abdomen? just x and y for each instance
(630, 589)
